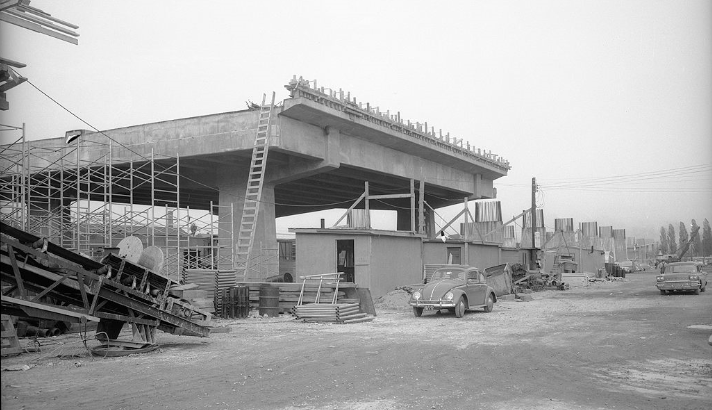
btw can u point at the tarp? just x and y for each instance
(500, 279)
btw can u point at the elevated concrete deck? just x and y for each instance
(322, 151)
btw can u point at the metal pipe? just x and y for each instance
(36, 331)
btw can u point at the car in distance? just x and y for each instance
(682, 276)
(629, 266)
(457, 288)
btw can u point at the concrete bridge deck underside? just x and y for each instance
(319, 158)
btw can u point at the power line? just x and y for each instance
(675, 173)
(107, 136)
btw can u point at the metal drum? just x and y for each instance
(269, 300)
(242, 297)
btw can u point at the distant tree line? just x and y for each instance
(701, 245)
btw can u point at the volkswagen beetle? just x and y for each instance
(457, 288)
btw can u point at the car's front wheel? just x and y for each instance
(696, 291)
(662, 292)
(461, 307)
(417, 311)
(490, 303)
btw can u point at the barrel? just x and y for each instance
(269, 300)
(242, 297)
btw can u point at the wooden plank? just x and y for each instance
(82, 290)
(25, 237)
(363, 195)
(38, 12)
(360, 320)
(36, 27)
(54, 309)
(390, 196)
(16, 271)
(128, 319)
(50, 25)
(8, 4)
(95, 291)
(52, 286)
(352, 316)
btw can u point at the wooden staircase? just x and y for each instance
(253, 192)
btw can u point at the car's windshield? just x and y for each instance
(626, 263)
(680, 269)
(448, 273)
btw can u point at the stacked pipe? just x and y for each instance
(334, 313)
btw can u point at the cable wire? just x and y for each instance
(106, 135)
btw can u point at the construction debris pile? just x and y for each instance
(535, 281)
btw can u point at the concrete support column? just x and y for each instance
(232, 182)
(265, 246)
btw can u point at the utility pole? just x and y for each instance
(533, 223)
(579, 236)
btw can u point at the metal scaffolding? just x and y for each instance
(82, 197)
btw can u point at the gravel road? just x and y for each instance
(616, 344)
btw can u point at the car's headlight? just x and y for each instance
(661, 278)
(416, 295)
(448, 296)
(694, 277)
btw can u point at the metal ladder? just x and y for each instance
(253, 192)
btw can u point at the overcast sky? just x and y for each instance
(607, 103)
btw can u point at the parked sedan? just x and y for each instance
(682, 276)
(458, 288)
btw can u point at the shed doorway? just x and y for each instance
(345, 259)
(453, 255)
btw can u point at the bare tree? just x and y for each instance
(706, 238)
(684, 237)
(672, 244)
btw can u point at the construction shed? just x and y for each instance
(374, 259)
(457, 252)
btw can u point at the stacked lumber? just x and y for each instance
(333, 313)
(213, 281)
(289, 294)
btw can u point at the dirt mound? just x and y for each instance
(395, 299)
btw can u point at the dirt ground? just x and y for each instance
(609, 345)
